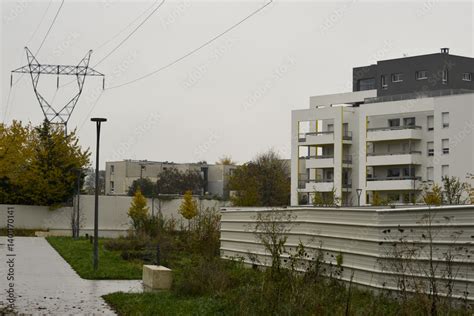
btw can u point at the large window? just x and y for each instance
(444, 78)
(430, 148)
(445, 170)
(397, 77)
(394, 122)
(409, 121)
(445, 119)
(366, 84)
(467, 76)
(430, 173)
(430, 122)
(383, 82)
(112, 186)
(393, 173)
(445, 145)
(421, 75)
(112, 168)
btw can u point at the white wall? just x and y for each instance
(113, 218)
(357, 234)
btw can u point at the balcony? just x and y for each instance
(316, 185)
(394, 158)
(392, 183)
(347, 159)
(393, 133)
(319, 161)
(316, 138)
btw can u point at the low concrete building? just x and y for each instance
(119, 175)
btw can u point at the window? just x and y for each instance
(345, 129)
(445, 170)
(383, 82)
(330, 127)
(409, 121)
(397, 77)
(421, 75)
(444, 78)
(393, 173)
(445, 145)
(445, 119)
(430, 122)
(329, 175)
(394, 122)
(112, 187)
(405, 148)
(112, 168)
(366, 84)
(467, 76)
(429, 173)
(430, 146)
(408, 171)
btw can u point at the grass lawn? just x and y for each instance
(163, 303)
(78, 253)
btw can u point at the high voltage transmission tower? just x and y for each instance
(35, 69)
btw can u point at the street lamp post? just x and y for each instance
(98, 121)
(359, 192)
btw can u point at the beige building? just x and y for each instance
(119, 175)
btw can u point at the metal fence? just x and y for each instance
(368, 240)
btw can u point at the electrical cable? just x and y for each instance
(50, 27)
(192, 51)
(130, 35)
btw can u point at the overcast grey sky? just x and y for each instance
(233, 97)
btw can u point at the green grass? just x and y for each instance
(163, 303)
(78, 253)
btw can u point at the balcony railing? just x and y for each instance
(393, 128)
(302, 183)
(393, 178)
(395, 153)
(318, 157)
(302, 136)
(417, 95)
(347, 135)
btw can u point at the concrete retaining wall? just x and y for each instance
(365, 238)
(113, 218)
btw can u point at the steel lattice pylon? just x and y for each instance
(35, 69)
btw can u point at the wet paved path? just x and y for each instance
(45, 284)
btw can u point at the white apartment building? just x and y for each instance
(408, 123)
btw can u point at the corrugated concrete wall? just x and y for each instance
(113, 218)
(369, 240)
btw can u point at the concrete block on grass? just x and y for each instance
(157, 277)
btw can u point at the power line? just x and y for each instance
(41, 22)
(186, 55)
(92, 109)
(126, 27)
(194, 50)
(130, 35)
(50, 27)
(123, 41)
(6, 107)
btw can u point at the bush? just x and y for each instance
(122, 244)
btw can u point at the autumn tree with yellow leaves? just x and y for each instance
(138, 211)
(188, 208)
(39, 165)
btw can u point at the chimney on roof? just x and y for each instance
(445, 50)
